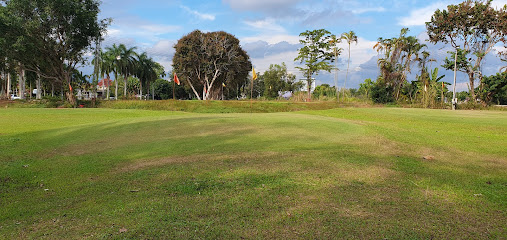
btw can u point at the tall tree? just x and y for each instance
(350, 37)
(206, 60)
(336, 52)
(473, 26)
(105, 62)
(399, 54)
(277, 79)
(55, 33)
(315, 54)
(127, 64)
(114, 53)
(145, 71)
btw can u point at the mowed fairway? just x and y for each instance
(340, 173)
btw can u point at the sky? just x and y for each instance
(269, 29)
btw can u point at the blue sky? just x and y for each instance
(269, 29)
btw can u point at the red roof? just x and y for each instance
(105, 81)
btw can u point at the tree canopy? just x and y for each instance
(50, 37)
(205, 61)
(315, 54)
(475, 27)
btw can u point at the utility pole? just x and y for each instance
(97, 70)
(454, 100)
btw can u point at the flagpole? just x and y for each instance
(254, 76)
(251, 94)
(174, 86)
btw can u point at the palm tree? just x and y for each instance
(399, 54)
(349, 37)
(105, 66)
(336, 51)
(145, 70)
(127, 64)
(423, 59)
(114, 53)
(410, 49)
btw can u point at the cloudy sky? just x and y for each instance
(269, 29)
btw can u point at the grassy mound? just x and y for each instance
(338, 173)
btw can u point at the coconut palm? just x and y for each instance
(349, 37)
(105, 67)
(114, 53)
(336, 51)
(399, 54)
(145, 71)
(411, 49)
(127, 64)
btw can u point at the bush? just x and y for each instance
(381, 93)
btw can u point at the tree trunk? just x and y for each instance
(309, 87)
(107, 86)
(22, 83)
(115, 87)
(346, 75)
(38, 85)
(472, 90)
(147, 90)
(2, 87)
(125, 87)
(70, 94)
(140, 90)
(8, 86)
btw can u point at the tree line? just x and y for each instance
(45, 41)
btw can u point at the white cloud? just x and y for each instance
(359, 53)
(157, 29)
(498, 3)
(265, 25)
(272, 39)
(259, 4)
(365, 10)
(419, 17)
(262, 64)
(203, 16)
(113, 32)
(163, 48)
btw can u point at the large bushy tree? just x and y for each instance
(204, 61)
(475, 27)
(494, 90)
(276, 79)
(50, 37)
(315, 55)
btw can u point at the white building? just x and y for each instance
(305, 85)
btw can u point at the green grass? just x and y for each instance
(221, 106)
(336, 173)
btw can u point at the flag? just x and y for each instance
(176, 80)
(70, 87)
(223, 84)
(254, 75)
(442, 85)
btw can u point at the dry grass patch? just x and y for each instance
(142, 164)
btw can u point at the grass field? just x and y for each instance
(336, 173)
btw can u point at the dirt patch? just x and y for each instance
(149, 163)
